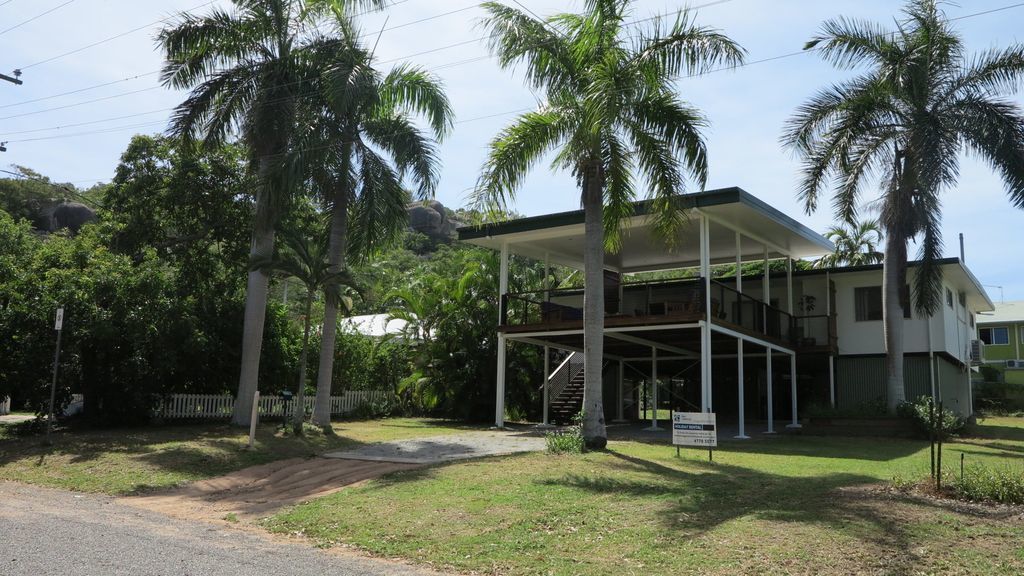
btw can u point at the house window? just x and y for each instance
(868, 303)
(972, 320)
(995, 336)
(949, 297)
(963, 299)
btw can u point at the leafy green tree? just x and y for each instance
(609, 110)
(249, 70)
(305, 259)
(918, 103)
(855, 245)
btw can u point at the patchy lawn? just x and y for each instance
(126, 461)
(805, 505)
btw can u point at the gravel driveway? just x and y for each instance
(51, 532)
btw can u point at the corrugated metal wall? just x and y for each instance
(861, 380)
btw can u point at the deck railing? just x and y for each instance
(637, 299)
(646, 301)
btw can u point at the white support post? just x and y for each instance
(832, 380)
(620, 408)
(739, 263)
(789, 285)
(831, 354)
(705, 345)
(771, 397)
(739, 389)
(499, 407)
(766, 282)
(792, 391)
(654, 392)
(547, 374)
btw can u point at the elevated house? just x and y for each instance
(754, 349)
(1002, 332)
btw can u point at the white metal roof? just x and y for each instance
(1005, 312)
(559, 237)
(374, 325)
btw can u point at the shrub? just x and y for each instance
(372, 409)
(568, 440)
(919, 411)
(1003, 484)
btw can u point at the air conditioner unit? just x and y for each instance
(1015, 364)
(977, 352)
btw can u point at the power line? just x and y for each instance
(36, 17)
(74, 104)
(79, 90)
(55, 185)
(61, 127)
(108, 39)
(475, 59)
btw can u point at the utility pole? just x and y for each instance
(59, 327)
(16, 79)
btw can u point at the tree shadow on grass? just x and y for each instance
(705, 496)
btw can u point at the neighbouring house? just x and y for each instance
(376, 326)
(753, 349)
(1002, 331)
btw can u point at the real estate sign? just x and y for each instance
(694, 429)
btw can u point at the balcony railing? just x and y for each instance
(640, 300)
(665, 300)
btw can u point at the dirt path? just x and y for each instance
(257, 491)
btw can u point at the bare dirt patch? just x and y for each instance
(255, 492)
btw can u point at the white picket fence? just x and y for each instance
(5, 406)
(215, 406)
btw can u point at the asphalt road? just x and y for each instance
(51, 532)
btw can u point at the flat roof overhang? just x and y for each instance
(559, 237)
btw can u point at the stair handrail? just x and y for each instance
(569, 369)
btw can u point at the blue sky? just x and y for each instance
(747, 107)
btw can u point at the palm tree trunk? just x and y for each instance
(338, 246)
(594, 433)
(893, 279)
(262, 247)
(299, 416)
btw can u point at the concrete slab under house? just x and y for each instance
(757, 350)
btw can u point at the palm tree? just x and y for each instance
(918, 103)
(248, 69)
(856, 245)
(306, 260)
(609, 110)
(360, 143)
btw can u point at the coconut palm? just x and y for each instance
(608, 111)
(856, 245)
(360, 143)
(248, 69)
(917, 104)
(305, 258)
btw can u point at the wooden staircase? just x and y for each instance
(567, 404)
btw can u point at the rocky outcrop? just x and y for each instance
(69, 215)
(431, 219)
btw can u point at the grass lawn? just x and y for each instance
(806, 505)
(126, 461)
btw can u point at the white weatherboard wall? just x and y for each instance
(856, 338)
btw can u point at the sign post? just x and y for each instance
(58, 325)
(695, 429)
